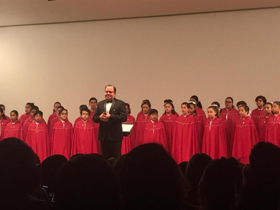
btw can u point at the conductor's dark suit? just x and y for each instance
(110, 132)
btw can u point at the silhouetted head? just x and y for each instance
(195, 169)
(265, 163)
(87, 182)
(18, 171)
(217, 187)
(151, 179)
(51, 167)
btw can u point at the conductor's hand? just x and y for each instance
(104, 116)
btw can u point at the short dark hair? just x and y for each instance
(93, 98)
(115, 89)
(83, 106)
(60, 107)
(60, 111)
(34, 107)
(239, 103)
(38, 112)
(277, 102)
(246, 108)
(262, 98)
(153, 111)
(85, 110)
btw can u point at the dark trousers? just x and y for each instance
(111, 149)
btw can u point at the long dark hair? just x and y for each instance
(171, 104)
(3, 115)
(198, 103)
(216, 109)
(128, 106)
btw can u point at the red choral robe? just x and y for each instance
(26, 124)
(96, 131)
(155, 133)
(273, 129)
(214, 140)
(14, 130)
(62, 138)
(25, 127)
(262, 127)
(201, 115)
(199, 128)
(229, 118)
(3, 123)
(168, 122)
(23, 117)
(84, 138)
(256, 115)
(246, 136)
(185, 143)
(51, 125)
(126, 147)
(51, 117)
(37, 139)
(137, 133)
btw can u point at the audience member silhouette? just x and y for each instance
(87, 182)
(218, 185)
(262, 191)
(194, 171)
(51, 167)
(151, 179)
(19, 176)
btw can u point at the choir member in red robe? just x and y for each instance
(273, 125)
(259, 111)
(84, 137)
(28, 121)
(37, 136)
(214, 139)
(154, 130)
(62, 135)
(245, 137)
(168, 119)
(26, 115)
(199, 111)
(14, 128)
(263, 121)
(126, 147)
(199, 123)
(3, 122)
(93, 105)
(4, 110)
(185, 142)
(53, 115)
(52, 123)
(137, 133)
(82, 107)
(229, 117)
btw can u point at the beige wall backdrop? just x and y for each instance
(211, 55)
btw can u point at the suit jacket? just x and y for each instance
(112, 129)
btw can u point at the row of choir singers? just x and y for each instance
(233, 134)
